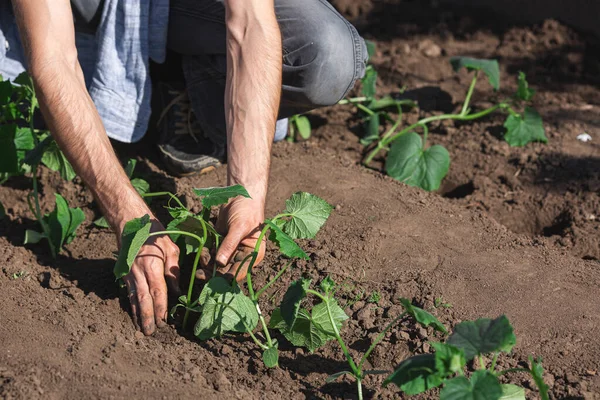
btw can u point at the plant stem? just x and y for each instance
(378, 339)
(355, 370)
(354, 100)
(38, 213)
(365, 109)
(272, 281)
(264, 325)
(481, 363)
(384, 142)
(494, 360)
(465, 108)
(359, 388)
(156, 194)
(201, 242)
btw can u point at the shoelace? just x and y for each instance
(183, 114)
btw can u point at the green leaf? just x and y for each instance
(24, 139)
(369, 82)
(422, 317)
(372, 123)
(307, 214)
(192, 224)
(286, 244)
(290, 304)
(9, 160)
(320, 317)
(215, 287)
(512, 392)
(523, 130)
(271, 357)
(488, 67)
(101, 223)
(216, 196)
(5, 92)
(134, 235)
(537, 372)
(302, 333)
(33, 237)
(34, 157)
(415, 375)
(483, 336)
(130, 167)
(303, 126)
(54, 159)
(523, 91)
(333, 377)
(408, 162)
(140, 185)
(327, 285)
(371, 47)
(226, 312)
(63, 222)
(483, 386)
(449, 360)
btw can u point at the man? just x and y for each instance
(232, 58)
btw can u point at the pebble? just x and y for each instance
(422, 332)
(430, 49)
(426, 347)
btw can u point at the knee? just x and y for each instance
(340, 59)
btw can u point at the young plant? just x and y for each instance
(140, 185)
(22, 150)
(223, 307)
(409, 160)
(299, 127)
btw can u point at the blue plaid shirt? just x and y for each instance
(115, 61)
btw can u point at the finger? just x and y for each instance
(146, 306)
(158, 290)
(131, 295)
(172, 271)
(230, 245)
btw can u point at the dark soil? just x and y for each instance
(512, 231)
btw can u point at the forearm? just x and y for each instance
(76, 126)
(253, 91)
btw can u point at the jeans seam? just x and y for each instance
(356, 48)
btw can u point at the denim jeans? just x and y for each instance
(323, 56)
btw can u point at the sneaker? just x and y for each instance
(184, 148)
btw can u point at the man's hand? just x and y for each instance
(241, 222)
(146, 286)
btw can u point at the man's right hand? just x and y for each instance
(155, 267)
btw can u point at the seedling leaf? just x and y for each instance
(286, 244)
(415, 375)
(523, 130)
(422, 317)
(190, 223)
(307, 214)
(327, 285)
(63, 222)
(134, 236)
(483, 336)
(34, 157)
(216, 196)
(130, 167)
(303, 333)
(140, 185)
(271, 357)
(488, 67)
(448, 359)
(371, 47)
(320, 316)
(9, 161)
(303, 125)
(372, 123)
(54, 159)
(483, 386)
(224, 313)
(512, 392)
(369, 82)
(333, 377)
(408, 162)
(523, 91)
(290, 304)
(537, 372)
(213, 288)
(33, 237)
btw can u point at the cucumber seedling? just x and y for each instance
(417, 374)
(22, 149)
(223, 306)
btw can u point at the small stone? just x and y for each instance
(138, 335)
(571, 378)
(404, 335)
(426, 347)
(422, 333)
(430, 49)
(226, 350)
